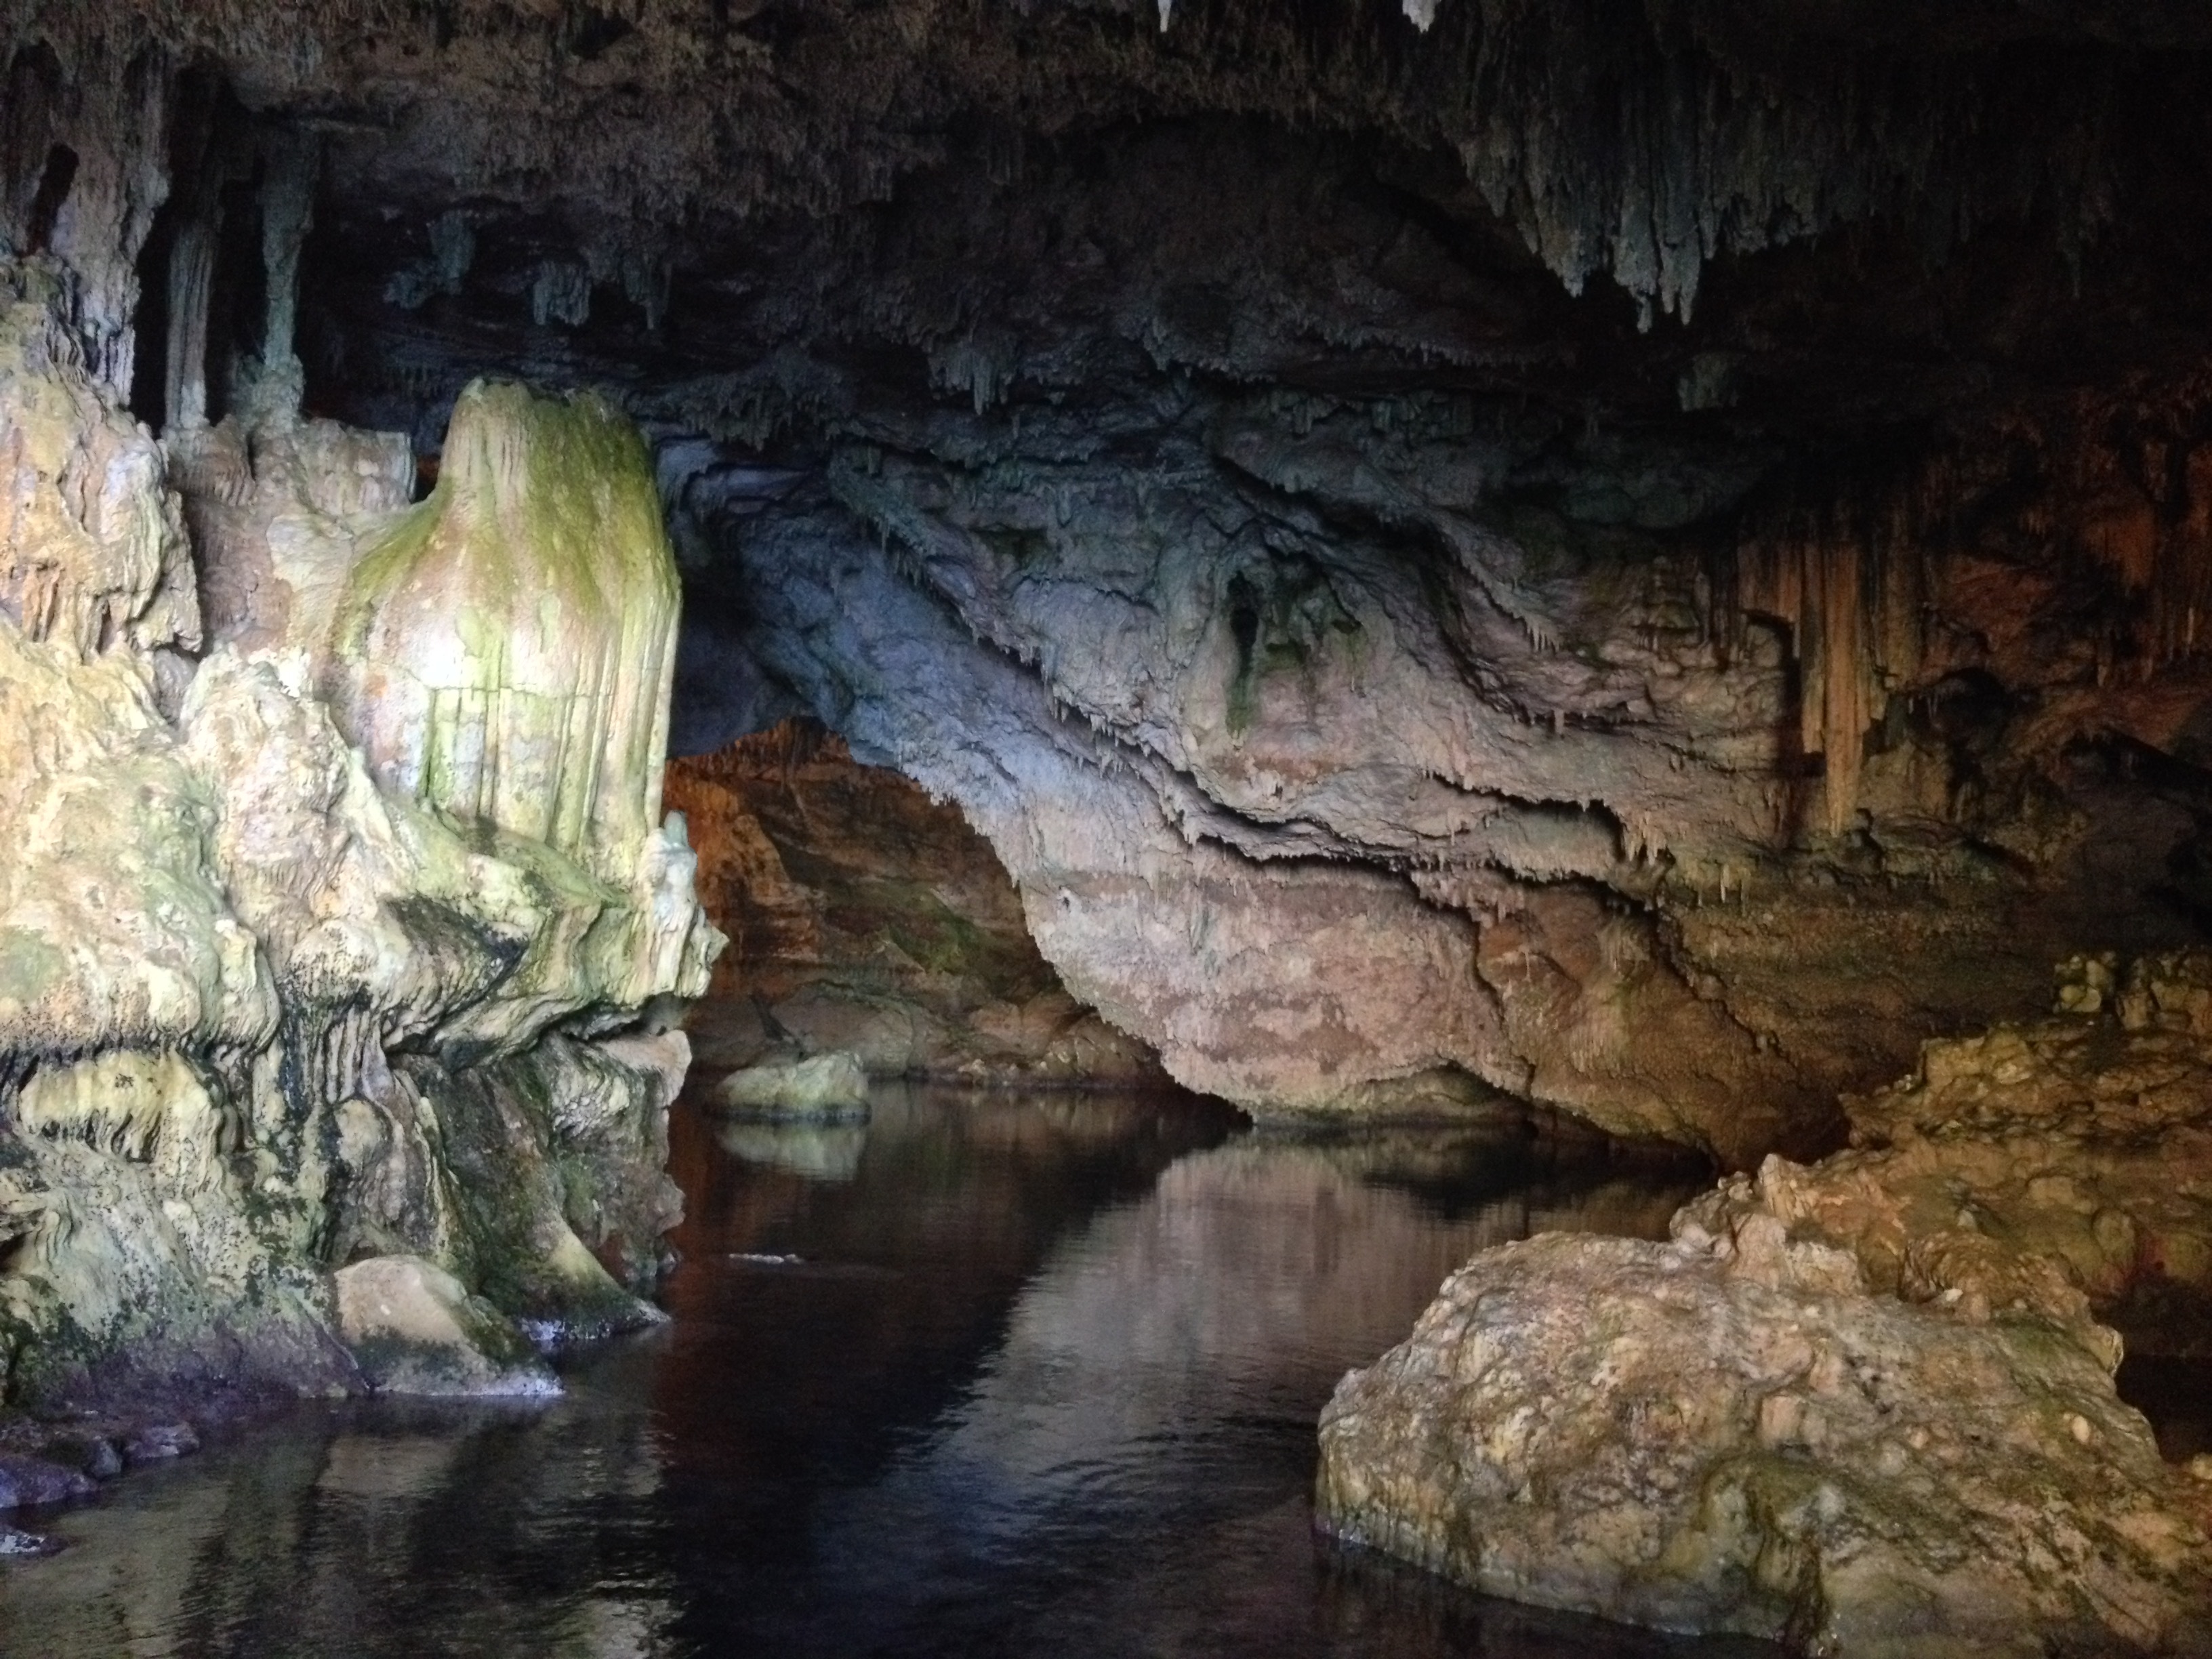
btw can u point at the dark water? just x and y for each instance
(999, 1375)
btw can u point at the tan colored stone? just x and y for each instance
(414, 1329)
(1646, 1432)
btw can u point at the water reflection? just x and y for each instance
(819, 1152)
(999, 1374)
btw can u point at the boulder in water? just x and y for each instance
(831, 1085)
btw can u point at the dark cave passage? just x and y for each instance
(865, 919)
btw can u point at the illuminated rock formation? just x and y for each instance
(506, 648)
(1748, 1442)
(262, 1015)
(1865, 1405)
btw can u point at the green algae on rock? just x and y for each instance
(505, 653)
(282, 999)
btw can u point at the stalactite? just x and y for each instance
(1852, 581)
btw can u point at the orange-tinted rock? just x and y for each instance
(866, 918)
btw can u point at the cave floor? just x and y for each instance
(998, 1373)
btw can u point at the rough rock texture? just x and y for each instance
(1866, 1402)
(2063, 1168)
(1639, 1430)
(832, 1085)
(1644, 554)
(865, 917)
(415, 1329)
(271, 1004)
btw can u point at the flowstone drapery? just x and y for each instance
(273, 1004)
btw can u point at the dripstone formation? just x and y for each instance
(336, 896)
(1638, 558)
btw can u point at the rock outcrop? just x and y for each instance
(826, 1087)
(1865, 1405)
(283, 1015)
(866, 918)
(2062, 1168)
(1639, 1430)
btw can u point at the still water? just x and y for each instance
(998, 1374)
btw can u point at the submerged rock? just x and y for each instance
(833, 1085)
(34, 1481)
(415, 1330)
(1659, 1434)
(157, 1443)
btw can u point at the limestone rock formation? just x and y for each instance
(1644, 1432)
(265, 1015)
(1864, 1403)
(867, 918)
(2063, 1167)
(1647, 556)
(415, 1329)
(828, 1087)
(504, 653)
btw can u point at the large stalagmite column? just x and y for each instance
(505, 654)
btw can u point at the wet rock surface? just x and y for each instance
(826, 1088)
(1757, 1445)
(414, 1329)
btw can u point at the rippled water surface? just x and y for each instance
(999, 1374)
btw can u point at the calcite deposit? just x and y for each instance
(1641, 556)
(300, 1035)
(1865, 1405)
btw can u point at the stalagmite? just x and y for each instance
(505, 653)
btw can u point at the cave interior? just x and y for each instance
(1621, 564)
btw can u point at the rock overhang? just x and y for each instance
(1468, 552)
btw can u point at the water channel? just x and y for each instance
(996, 1374)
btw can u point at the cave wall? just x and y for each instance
(282, 998)
(866, 918)
(1639, 555)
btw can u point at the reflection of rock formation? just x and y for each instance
(987, 1399)
(1137, 1439)
(819, 1152)
(268, 1002)
(1252, 1274)
(301, 1545)
(865, 917)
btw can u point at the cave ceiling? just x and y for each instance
(1672, 533)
